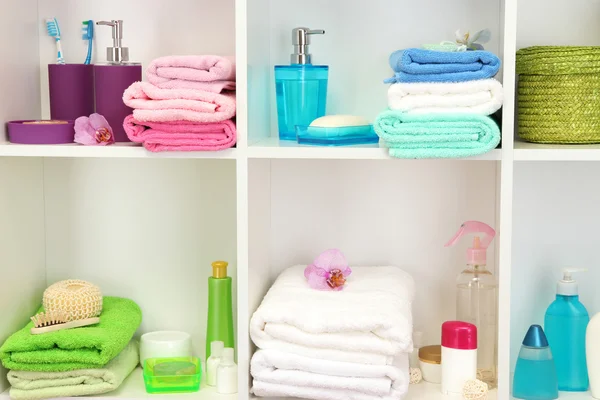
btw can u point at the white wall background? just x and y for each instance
(378, 213)
(22, 272)
(151, 29)
(19, 76)
(559, 23)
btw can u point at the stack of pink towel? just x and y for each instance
(187, 104)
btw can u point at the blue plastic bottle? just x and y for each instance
(535, 372)
(565, 325)
(300, 88)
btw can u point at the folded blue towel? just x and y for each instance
(419, 65)
(436, 135)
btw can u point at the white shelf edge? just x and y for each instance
(133, 388)
(119, 150)
(424, 391)
(525, 151)
(273, 148)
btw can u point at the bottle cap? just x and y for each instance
(459, 335)
(227, 357)
(476, 255)
(567, 286)
(216, 348)
(219, 269)
(535, 337)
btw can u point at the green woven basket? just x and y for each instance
(559, 94)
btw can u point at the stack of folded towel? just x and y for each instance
(351, 344)
(187, 104)
(74, 362)
(439, 102)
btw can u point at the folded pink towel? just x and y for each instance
(181, 135)
(153, 104)
(210, 73)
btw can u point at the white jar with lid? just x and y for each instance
(459, 355)
(430, 363)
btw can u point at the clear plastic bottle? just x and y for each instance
(477, 291)
(477, 299)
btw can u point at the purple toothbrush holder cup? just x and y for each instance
(71, 91)
(41, 132)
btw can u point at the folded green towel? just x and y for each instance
(29, 385)
(436, 135)
(79, 348)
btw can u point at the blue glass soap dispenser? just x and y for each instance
(300, 88)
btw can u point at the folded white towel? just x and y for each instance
(482, 97)
(369, 321)
(277, 373)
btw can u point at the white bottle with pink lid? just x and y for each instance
(477, 297)
(459, 355)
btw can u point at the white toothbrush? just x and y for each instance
(54, 31)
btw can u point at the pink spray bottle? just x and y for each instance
(477, 298)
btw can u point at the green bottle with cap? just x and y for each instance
(220, 307)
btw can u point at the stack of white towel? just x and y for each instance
(351, 344)
(483, 97)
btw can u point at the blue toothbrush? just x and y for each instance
(54, 31)
(87, 33)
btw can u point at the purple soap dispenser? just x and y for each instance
(111, 80)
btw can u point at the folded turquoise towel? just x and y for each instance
(419, 65)
(436, 135)
(79, 348)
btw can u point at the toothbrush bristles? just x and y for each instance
(52, 27)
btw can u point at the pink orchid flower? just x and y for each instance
(93, 131)
(328, 271)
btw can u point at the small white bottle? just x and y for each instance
(459, 355)
(216, 352)
(227, 373)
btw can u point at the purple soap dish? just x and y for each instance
(41, 132)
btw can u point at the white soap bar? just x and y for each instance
(336, 121)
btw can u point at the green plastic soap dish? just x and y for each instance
(172, 375)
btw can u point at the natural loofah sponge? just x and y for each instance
(79, 299)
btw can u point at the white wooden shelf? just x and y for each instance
(133, 388)
(525, 151)
(430, 391)
(273, 148)
(425, 391)
(119, 150)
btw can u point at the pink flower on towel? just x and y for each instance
(93, 131)
(328, 271)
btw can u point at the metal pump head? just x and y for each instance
(300, 41)
(116, 54)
